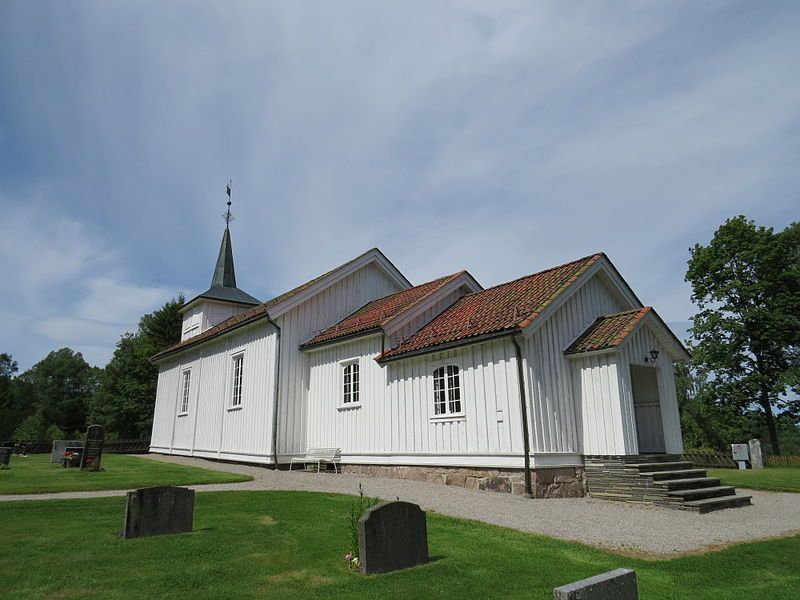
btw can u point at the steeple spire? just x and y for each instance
(223, 281)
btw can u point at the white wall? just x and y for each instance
(298, 326)
(394, 424)
(209, 428)
(206, 314)
(553, 419)
(633, 352)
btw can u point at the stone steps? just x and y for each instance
(662, 480)
(708, 504)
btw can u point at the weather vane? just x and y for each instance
(228, 215)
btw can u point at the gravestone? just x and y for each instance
(619, 584)
(59, 446)
(741, 454)
(392, 536)
(5, 457)
(756, 458)
(93, 448)
(158, 511)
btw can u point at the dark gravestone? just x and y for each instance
(5, 457)
(93, 448)
(619, 584)
(392, 536)
(158, 510)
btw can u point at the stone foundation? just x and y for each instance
(559, 482)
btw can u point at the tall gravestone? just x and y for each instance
(619, 584)
(93, 448)
(158, 511)
(756, 458)
(5, 457)
(392, 536)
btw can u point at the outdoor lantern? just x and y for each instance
(653, 356)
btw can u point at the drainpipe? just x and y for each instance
(277, 395)
(526, 444)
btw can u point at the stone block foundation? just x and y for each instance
(557, 482)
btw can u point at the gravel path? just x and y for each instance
(652, 531)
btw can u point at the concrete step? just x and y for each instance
(678, 474)
(701, 493)
(689, 483)
(651, 467)
(708, 504)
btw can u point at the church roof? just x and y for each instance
(262, 310)
(373, 314)
(495, 311)
(608, 331)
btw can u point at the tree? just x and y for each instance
(12, 410)
(126, 396)
(61, 385)
(746, 283)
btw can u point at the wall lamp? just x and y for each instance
(653, 356)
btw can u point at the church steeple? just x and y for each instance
(224, 272)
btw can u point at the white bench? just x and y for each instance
(319, 456)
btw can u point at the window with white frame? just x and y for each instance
(238, 375)
(185, 388)
(350, 383)
(446, 391)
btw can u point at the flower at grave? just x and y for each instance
(348, 557)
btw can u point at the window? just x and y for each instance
(446, 391)
(187, 383)
(350, 383)
(238, 373)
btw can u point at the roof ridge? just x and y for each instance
(596, 255)
(444, 281)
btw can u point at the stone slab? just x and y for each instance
(756, 458)
(619, 584)
(59, 446)
(5, 457)
(158, 510)
(392, 536)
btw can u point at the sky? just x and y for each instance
(498, 137)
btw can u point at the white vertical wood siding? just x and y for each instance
(394, 425)
(552, 421)
(633, 352)
(603, 427)
(298, 326)
(210, 428)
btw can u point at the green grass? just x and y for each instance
(290, 545)
(775, 479)
(35, 475)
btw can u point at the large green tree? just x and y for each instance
(746, 284)
(60, 386)
(125, 398)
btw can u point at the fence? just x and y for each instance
(720, 460)
(782, 461)
(109, 446)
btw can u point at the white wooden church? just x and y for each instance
(444, 381)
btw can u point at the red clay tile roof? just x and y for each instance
(253, 314)
(496, 310)
(374, 314)
(608, 331)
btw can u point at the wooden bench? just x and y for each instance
(319, 456)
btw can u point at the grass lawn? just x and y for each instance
(776, 479)
(35, 475)
(290, 545)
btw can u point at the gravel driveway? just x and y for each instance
(622, 527)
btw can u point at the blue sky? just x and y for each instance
(500, 137)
